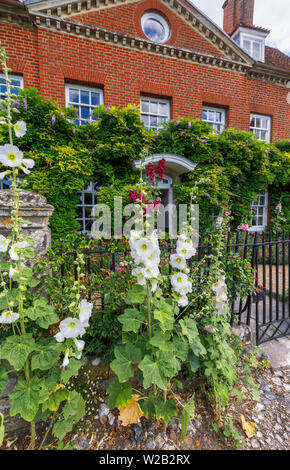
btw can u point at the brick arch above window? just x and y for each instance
(157, 7)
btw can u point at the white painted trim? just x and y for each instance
(159, 19)
(84, 88)
(15, 77)
(261, 228)
(269, 125)
(180, 161)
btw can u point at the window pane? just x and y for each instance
(204, 115)
(258, 122)
(85, 97)
(95, 99)
(73, 95)
(247, 46)
(153, 121)
(153, 107)
(145, 106)
(256, 50)
(163, 108)
(145, 119)
(85, 112)
(218, 117)
(211, 116)
(263, 135)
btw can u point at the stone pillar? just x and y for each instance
(34, 209)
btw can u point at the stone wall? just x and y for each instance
(34, 209)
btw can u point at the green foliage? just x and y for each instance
(235, 165)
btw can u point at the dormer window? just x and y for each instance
(253, 47)
(155, 27)
(252, 41)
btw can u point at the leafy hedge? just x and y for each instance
(233, 166)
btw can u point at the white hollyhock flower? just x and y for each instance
(66, 359)
(85, 312)
(177, 261)
(140, 273)
(153, 285)
(151, 271)
(71, 328)
(153, 259)
(12, 271)
(144, 248)
(80, 344)
(15, 248)
(134, 236)
(185, 249)
(8, 317)
(28, 162)
(27, 172)
(183, 301)
(210, 329)
(3, 244)
(180, 283)
(79, 356)
(20, 128)
(59, 337)
(10, 155)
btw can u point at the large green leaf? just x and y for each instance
(9, 299)
(181, 347)
(189, 328)
(55, 399)
(132, 320)
(197, 347)
(119, 394)
(47, 357)
(162, 341)
(155, 372)
(75, 407)
(71, 370)
(187, 414)
(136, 294)
(165, 409)
(16, 349)
(164, 313)
(3, 378)
(148, 406)
(26, 398)
(193, 362)
(62, 427)
(42, 313)
(125, 357)
(26, 277)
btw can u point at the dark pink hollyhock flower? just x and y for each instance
(160, 168)
(132, 195)
(151, 171)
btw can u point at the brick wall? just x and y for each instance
(48, 59)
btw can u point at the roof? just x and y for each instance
(277, 58)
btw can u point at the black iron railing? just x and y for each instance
(268, 308)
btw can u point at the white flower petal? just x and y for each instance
(20, 128)
(10, 155)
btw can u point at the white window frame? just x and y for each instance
(219, 126)
(161, 20)
(92, 189)
(150, 114)
(80, 88)
(245, 34)
(253, 40)
(12, 77)
(267, 129)
(261, 227)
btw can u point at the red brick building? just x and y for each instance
(165, 53)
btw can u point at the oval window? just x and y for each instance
(155, 27)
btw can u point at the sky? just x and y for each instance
(270, 14)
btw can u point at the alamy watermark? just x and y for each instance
(170, 219)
